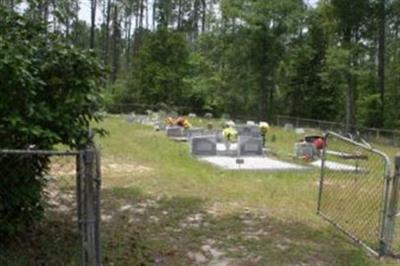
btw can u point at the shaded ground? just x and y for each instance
(189, 231)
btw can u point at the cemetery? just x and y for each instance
(212, 147)
(270, 181)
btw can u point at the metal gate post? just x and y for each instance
(390, 218)
(89, 217)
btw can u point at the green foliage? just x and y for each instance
(49, 93)
(160, 69)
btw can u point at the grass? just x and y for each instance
(170, 206)
(161, 206)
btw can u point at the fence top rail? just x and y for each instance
(385, 157)
(382, 130)
(39, 152)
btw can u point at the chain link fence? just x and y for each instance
(373, 135)
(356, 188)
(50, 207)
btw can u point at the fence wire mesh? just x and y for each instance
(38, 209)
(375, 135)
(49, 207)
(354, 190)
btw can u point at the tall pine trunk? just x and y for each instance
(381, 56)
(93, 23)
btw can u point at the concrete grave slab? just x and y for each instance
(338, 166)
(251, 163)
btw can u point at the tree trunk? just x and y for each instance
(154, 14)
(107, 33)
(115, 48)
(93, 22)
(179, 15)
(381, 56)
(128, 49)
(141, 13)
(203, 15)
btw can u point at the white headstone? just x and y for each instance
(192, 115)
(300, 131)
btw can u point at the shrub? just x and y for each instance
(49, 94)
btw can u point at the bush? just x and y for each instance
(49, 94)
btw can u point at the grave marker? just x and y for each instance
(195, 132)
(175, 132)
(203, 145)
(250, 146)
(288, 127)
(249, 131)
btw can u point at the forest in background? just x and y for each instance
(336, 61)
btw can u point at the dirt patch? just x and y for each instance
(118, 168)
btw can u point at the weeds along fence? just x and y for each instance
(64, 229)
(375, 135)
(359, 194)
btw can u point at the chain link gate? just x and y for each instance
(69, 232)
(358, 193)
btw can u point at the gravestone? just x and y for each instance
(195, 132)
(175, 132)
(250, 131)
(159, 126)
(208, 115)
(250, 146)
(203, 145)
(192, 115)
(131, 118)
(305, 149)
(288, 127)
(250, 123)
(219, 136)
(140, 119)
(300, 131)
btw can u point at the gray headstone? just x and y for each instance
(175, 132)
(288, 127)
(300, 131)
(219, 136)
(305, 149)
(195, 132)
(203, 145)
(159, 126)
(250, 123)
(250, 131)
(208, 115)
(192, 115)
(250, 146)
(131, 118)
